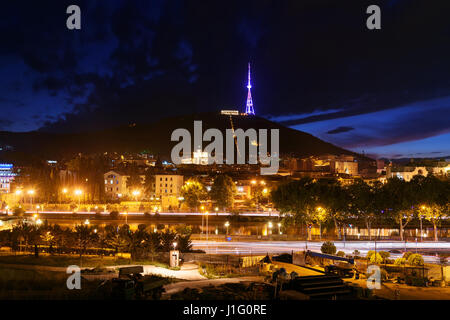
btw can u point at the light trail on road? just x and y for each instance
(277, 247)
(250, 214)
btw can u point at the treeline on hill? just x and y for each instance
(90, 239)
(308, 201)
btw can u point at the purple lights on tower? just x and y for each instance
(249, 106)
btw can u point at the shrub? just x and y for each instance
(385, 255)
(400, 261)
(18, 211)
(328, 247)
(114, 215)
(340, 254)
(415, 259)
(407, 254)
(375, 258)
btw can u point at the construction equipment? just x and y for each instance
(131, 284)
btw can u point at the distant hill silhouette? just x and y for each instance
(155, 138)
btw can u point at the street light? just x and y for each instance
(203, 218)
(420, 219)
(227, 224)
(206, 213)
(78, 193)
(39, 222)
(175, 245)
(31, 193)
(279, 227)
(86, 222)
(136, 193)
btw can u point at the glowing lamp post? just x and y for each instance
(270, 226)
(78, 193)
(136, 194)
(31, 194)
(420, 219)
(18, 194)
(227, 224)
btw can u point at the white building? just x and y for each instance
(168, 189)
(6, 177)
(442, 169)
(168, 185)
(198, 157)
(406, 173)
(116, 184)
(344, 166)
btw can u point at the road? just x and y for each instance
(274, 247)
(174, 214)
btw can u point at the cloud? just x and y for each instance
(4, 123)
(340, 130)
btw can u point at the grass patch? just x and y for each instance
(211, 271)
(67, 260)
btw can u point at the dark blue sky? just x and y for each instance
(315, 66)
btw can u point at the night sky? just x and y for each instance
(316, 67)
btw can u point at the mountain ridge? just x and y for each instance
(155, 138)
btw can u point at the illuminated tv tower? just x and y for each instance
(249, 106)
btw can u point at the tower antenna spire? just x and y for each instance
(249, 106)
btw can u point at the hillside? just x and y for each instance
(154, 137)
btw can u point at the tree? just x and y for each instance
(154, 243)
(149, 182)
(328, 247)
(432, 199)
(184, 239)
(193, 192)
(85, 236)
(167, 240)
(116, 237)
(136, 242)
(331, 201)
(184, 242)
(134, 180)
(415, 259)
(260, 193)
(398, 199)
(223, 191)
(296, 198)
(363, 202)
